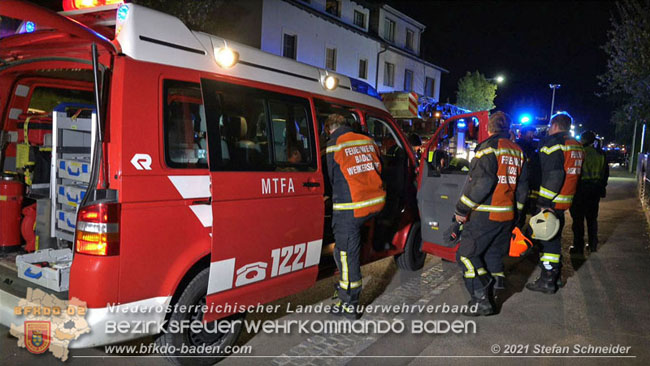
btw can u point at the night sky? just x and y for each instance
(532, 44)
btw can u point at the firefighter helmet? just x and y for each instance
(519, 243)
(545, 225)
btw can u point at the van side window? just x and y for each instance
(184, 125)
(291, 130)
(259, 130)
(383, 135)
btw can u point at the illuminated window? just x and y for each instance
(333, 7)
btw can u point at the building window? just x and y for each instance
(333, 7)
(330, 59)
(363, 68)
(410, 38)
(289, 46)
(408, 80)
(429, 85)
(359, 19)
(389, 30)
(389, 74)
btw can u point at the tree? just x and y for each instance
(475, 92)
(627, 78)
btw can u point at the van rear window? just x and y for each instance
(184, 125)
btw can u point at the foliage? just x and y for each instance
(475, 92)
(627, 78)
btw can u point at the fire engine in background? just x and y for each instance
(179, 167)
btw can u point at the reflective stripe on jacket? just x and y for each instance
(497, 181)
(561, 160)
(355, 173)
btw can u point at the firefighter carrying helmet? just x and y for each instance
(545, 225)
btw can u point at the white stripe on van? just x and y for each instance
(203, 213)
(221, 275)
(191, 186)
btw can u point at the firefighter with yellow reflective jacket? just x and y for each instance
(492, 198)
(560, 158)
(358, 194)
(591, 188)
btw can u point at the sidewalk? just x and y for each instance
(606, 301)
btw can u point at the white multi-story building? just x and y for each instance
(374, 43)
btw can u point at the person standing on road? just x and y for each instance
(591, 188)
(358, 194)
(528, 145)
(561, 159)
(494, 194)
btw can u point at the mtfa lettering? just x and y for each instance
(277, 186)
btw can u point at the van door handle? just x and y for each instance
(203, 202)
(311, 184)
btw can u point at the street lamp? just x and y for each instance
(498, 79)
(553, 86)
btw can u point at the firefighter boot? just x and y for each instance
(482, 302)
(546, 282)
(345, 310)
(499, 283)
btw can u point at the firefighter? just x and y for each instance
(560, 159)
(494, 193)
(357, 194)
(528, 145)
(591, 188)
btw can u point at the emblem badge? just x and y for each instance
(37, 336)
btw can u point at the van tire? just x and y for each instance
(195, 294)
(412, 259)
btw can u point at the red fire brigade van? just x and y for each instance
(180, 168)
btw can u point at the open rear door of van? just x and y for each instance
(267, 203)
(444, 168)
(45, 33)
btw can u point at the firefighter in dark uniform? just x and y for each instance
(358, 194)
(528, 145)
(591, 188)
(494, 193)
(561, 159)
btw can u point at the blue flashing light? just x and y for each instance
(30, 27)
(461, 123)
(364, 88)
(122, 13)
(578, 137)
(525, 118)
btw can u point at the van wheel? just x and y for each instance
(413, 257)
(193, 297)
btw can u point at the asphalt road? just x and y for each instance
(605, 303)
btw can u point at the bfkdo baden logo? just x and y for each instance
(37, 336)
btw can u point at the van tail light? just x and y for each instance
(98, 229)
